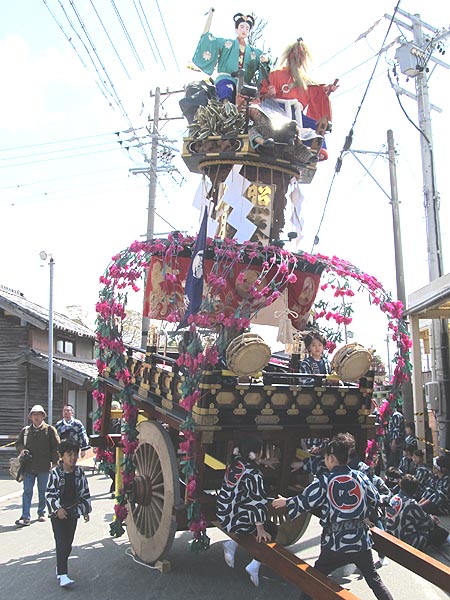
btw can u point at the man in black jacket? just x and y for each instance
(41, 441)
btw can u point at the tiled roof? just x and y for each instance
(15, 302)
(73, 370)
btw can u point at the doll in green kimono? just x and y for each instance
(229, 56)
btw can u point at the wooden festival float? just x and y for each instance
(206, 377)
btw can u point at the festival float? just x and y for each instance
(207, 376)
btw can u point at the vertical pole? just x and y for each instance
(419, 405)
(398, 251)
(439, 329)
(388, 357)
(50, 345)
(399, 273)
(153, 181)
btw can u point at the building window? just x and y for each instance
(65, 347)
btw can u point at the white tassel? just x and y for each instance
(285, 329)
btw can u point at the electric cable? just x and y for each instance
(145, 31)
(110, 40)
(103, 90)
(349, 137)
(128, 37)
(167, 34)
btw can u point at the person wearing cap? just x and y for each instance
(41, 441)
(230, 56)
(436, 499)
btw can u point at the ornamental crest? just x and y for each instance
(206, 55)
(253, 55)
(228, 44)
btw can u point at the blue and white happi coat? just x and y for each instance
(55, 492)
(73, 430)
(242, 500)
(346, 498)
(438, 493)
(407, 521)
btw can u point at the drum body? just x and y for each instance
(351, 362)
(247, 354)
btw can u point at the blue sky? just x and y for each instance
(85, 207)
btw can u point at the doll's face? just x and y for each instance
(242, 31)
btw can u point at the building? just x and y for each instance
(24, 365)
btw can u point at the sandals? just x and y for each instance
(22, 522)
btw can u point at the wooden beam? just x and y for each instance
(294, 569)
(416, 561)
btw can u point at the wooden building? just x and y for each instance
(24, 366)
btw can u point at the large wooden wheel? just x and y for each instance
(151, 525)
(290, 532)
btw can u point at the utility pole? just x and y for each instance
(152, 173)
(408, 404)
(413, 59)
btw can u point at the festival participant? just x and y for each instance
(345, 498)
(423, 473)
(70, 428)
(436, 499)
(392, 480)
(407, 465)
(410, 436)
(230, 56)
(68, 499)
(406, 519)
(315, 363)
(242, 502)
(291, 82)
(396, 437)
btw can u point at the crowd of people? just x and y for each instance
(404, 495)
(347, 495)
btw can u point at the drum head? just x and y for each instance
(247, 354)
(351, 362)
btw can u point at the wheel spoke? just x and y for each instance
(158, 505)
(158, 495)
(154, 519)
(148, 450)
(156, 467)
(158, 476)
(138, 459)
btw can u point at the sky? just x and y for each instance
(65, 124)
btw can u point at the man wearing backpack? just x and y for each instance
(41, 441)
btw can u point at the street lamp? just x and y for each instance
(51, 264)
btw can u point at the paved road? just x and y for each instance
(103, 571)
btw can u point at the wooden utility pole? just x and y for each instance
(413, 58)
(152, 173)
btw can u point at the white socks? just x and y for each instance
(229, 550)
(253, 571)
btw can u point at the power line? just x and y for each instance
(128, 37)
(85, 137)
(349, 138)
(167, 34)
(110, 40)
(145, 31)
